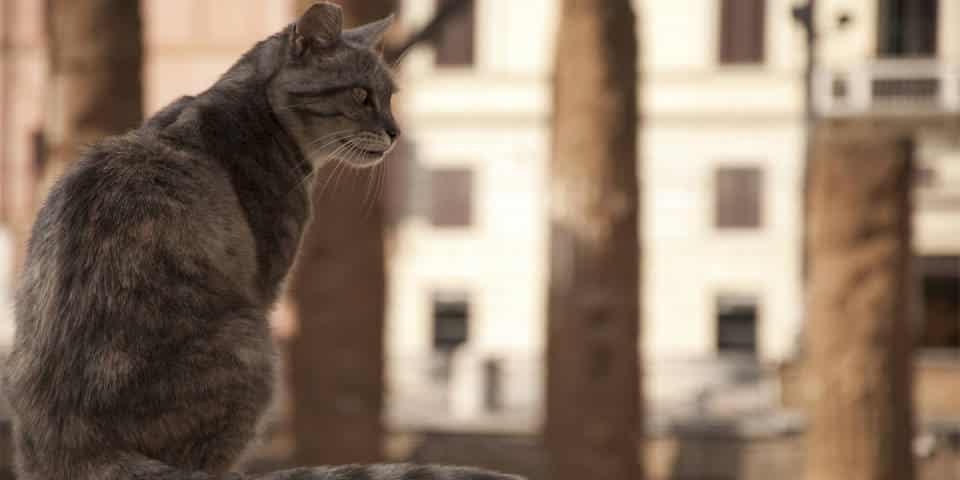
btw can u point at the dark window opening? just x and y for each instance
(38, 145)
(737, 324)
(493, 385)
(738, 197)
(940, 301)
(908, 28)
(742, 31)
(454, 43)
(451, 192)
(451, 326)
(451, 315)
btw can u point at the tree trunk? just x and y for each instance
(95, 85)
(338, 292)
(859, 339)
(95, 54)
(594, 416)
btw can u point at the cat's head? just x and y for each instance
(334, 92)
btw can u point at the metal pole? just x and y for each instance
(806, 16)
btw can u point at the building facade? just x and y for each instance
(722, 146)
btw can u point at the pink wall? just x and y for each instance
(189, 44)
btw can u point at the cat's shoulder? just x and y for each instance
(128, 177)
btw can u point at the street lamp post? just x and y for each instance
(805, 15)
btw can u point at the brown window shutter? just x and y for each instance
(738, 201)
(451, 202)
(454, 45)
(742, 31)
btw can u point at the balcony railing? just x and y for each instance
(889, 87)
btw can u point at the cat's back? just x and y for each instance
(126, 233)
(140, 273)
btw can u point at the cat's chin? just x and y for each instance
(361, 161)
(365, 163)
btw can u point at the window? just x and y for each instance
(451, 317)
(451, 192)
(454, 43)
(451, 327)
(38, 144)
(742, 31)
(493, 384)
(738, 197)
(737, 324)
(908, 28)
(940, 277)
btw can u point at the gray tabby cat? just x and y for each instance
(142, 348)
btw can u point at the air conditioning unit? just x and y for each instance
(889, 87)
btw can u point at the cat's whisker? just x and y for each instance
(302, 183)
(383, 178)
(310, 177)
(328, 139)
(330, 135)
(375, 181)
(343, 162)
(333, 178)
(393, 66)
(329, 177)
(369, 194)
(368, 197)
(381, 181)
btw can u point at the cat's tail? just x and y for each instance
(134, 468)
(394, 471)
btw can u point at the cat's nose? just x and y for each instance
(393, 133)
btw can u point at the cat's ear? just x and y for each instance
(321, 25)
(371, 34)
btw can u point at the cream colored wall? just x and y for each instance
(690, 262)
(190, 43)
(937, 229)
(499, 258)
(698, 116)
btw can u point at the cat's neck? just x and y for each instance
(233, 124)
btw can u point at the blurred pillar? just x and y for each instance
(338, 294)
(95, 86)
(593, 425)
(859, 339)
(95, 55)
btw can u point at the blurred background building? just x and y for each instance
(723, 137)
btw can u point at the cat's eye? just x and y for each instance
(361, 95)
